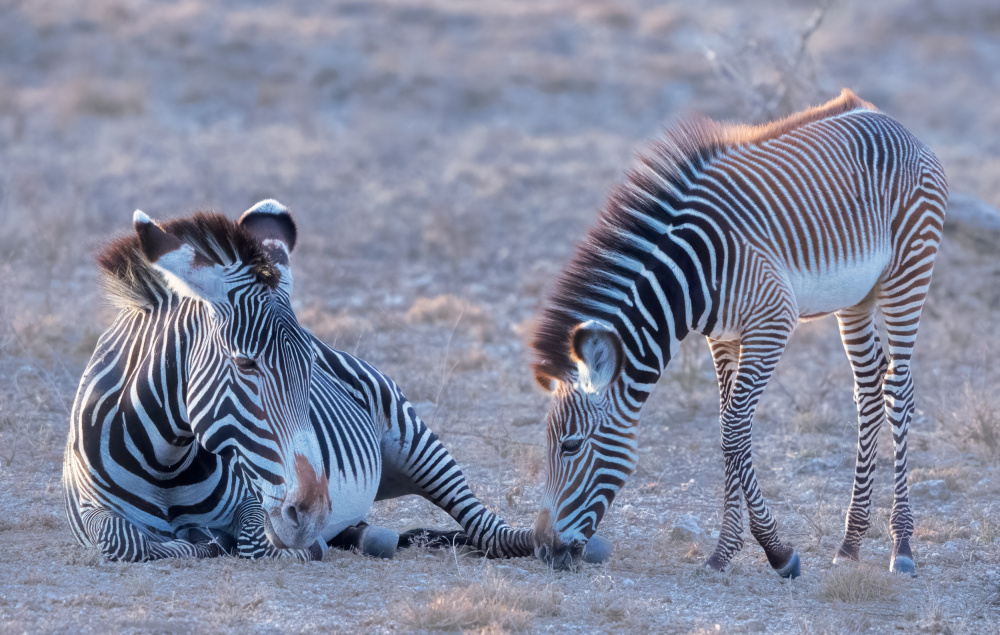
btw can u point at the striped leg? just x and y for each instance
(418, 463)
(901, 302)
(726, 356)
(864, 351)
(121, 541)
(759, 353)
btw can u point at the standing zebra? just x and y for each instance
(738, 233)
(208, 419)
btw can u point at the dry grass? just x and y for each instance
(491, 603)
(858, 584)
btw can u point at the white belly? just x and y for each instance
(839, 286)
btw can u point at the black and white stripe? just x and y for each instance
(209, 420)
(738, 233)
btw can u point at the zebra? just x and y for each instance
(208, 421)
(738, 233)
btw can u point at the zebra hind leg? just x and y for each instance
(901, 330)
(864, 351)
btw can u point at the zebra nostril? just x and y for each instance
(291, 515)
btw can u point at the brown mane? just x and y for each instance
(130, 281)
(654, 181)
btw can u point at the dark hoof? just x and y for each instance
(846, 554)
(379, 542)
(715, 564)
(902, 564)
(597, 550)
(793, 569)
(315, 552)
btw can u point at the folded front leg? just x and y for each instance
(252, 542)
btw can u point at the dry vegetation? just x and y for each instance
(442, 156)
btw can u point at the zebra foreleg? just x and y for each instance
(759, 353)
(121, 541)
(252, 542)
(726, 356)
(864, 350)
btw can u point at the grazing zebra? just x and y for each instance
(738, 233)
(209, 420)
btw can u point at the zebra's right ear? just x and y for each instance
(598, 352)
(271, 224)
(188, 274)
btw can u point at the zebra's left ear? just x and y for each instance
(188, 273)
(598, 353)
(270, 223)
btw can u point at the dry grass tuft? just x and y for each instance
(450, 310)
(233, 602)
(856, 584)
(493, 604)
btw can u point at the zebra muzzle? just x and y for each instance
(297, 522)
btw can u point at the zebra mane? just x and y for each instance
(654, 182)
(131, 281)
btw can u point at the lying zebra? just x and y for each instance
(209, 420)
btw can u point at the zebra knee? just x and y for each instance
(121, 542)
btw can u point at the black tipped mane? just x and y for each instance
(130, 280)
(655, 179)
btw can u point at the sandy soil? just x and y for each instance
(442, 158)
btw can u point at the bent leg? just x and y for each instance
(726, 356)
(252, 542)
(121, 541)
(761, 347)
(415, 461)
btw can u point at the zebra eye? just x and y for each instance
(572, 446)
(245, 363)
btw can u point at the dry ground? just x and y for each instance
(442, 158)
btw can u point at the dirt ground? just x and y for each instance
(442, 158)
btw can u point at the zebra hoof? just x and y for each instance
(793, 569)
(597, 550)
(379, 542)
(903, 565)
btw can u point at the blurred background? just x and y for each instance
(442, 158)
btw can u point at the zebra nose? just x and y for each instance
(293, 515)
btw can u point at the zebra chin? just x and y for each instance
(561, 557)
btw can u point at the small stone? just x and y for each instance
(628, 582)
(685, 528)
(935, 490)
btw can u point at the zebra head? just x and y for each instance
(246, 364)
(591, 444)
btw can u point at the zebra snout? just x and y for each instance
(559, 556)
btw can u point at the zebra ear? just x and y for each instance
(545, 381)
(598, 353)
(271, 224)
(188, 274)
